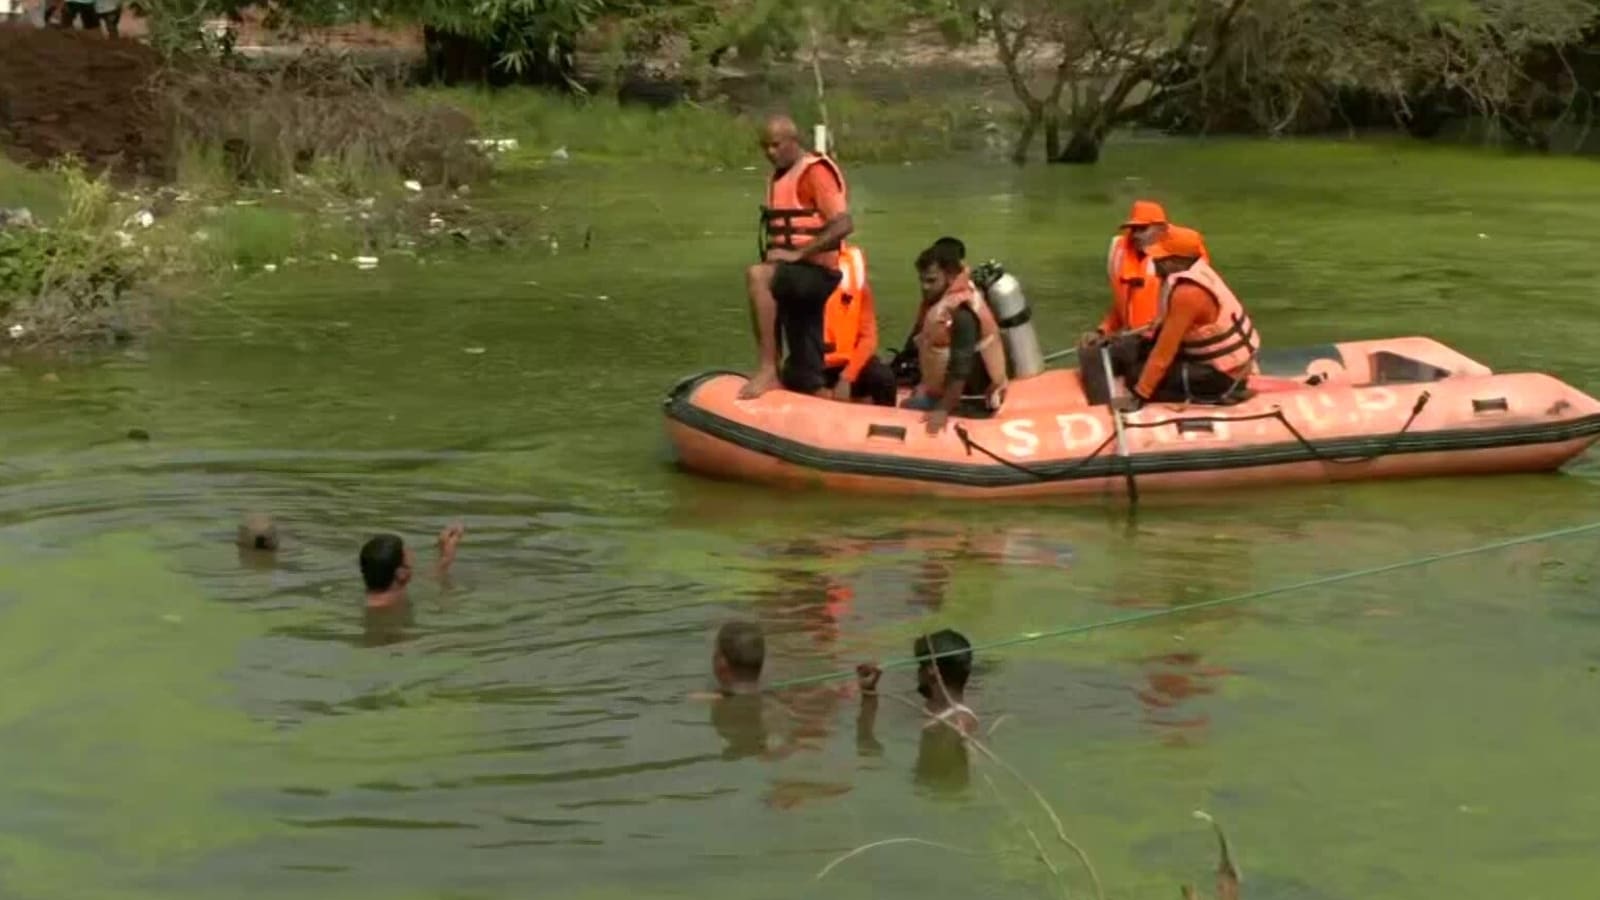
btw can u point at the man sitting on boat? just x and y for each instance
(904, 364)
(1135, 297)
(958, 345)
(851, 367)
(1205, 345)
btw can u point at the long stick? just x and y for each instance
(1116, 422)
(816, 72)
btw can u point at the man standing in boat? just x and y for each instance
(803, 221)
(958, 344)
(1205, 344)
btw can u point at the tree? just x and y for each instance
(1084, 67)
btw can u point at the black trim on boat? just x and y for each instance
(680, 407)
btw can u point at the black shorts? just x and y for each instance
(802, 291)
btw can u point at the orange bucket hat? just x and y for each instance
(1145, 212)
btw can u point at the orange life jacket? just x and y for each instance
(1230, 343)
(933, 341)
(1135, 286)
(841, 317)
(787, 224)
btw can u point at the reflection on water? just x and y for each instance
(189, 717)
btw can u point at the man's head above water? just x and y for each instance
(948, 673)
(780, 142)
(386, 564)
(741, 651)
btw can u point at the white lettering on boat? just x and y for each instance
(1023, 441)
(1086, 437)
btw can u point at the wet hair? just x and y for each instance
(381, 559)
(955, 669)
(945, 257)
(743, 647)
(953, 244)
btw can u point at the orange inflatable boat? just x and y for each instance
(1397, 408)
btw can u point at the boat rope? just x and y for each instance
(1282, 589)
(1383, 449)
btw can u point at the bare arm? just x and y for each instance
(838, 228)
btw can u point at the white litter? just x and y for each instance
(475, 351)
(561, 154)
(413, 185)
(366, 262)
(16, 331)
(143, 218)
(270, 267)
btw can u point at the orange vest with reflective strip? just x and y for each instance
(841, 317)
(1135, 286)
(933, 341)
(788, 225)
(1230, 343)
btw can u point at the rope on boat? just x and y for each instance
(1135, 618)
(1275, 413)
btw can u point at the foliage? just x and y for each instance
(1090, 65)
(68, 278)
(316, 114)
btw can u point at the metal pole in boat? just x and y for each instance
(1116, 423)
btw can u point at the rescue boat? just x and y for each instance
(1399, 408)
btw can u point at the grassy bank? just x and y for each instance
(865, 129)
(322, 166)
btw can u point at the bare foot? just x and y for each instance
(762, 381)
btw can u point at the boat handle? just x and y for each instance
(1187, 425)
(894, 432)
(1492, 404)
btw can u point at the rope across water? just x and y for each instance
(1135, 618)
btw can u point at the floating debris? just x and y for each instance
(475, 351)
(413, 185)
(270, 267)
(17, 331)
(366, 262)
(561, 154)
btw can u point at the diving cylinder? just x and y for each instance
(1015, 318)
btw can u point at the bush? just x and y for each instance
(68, 280)
(316, 114)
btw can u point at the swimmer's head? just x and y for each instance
(385, 563)
(951, 671)
(257, 532)
(741, 651)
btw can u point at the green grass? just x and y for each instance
(709, 135)
(38, 190)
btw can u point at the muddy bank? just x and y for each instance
(80, 93)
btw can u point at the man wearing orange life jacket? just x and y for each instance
(803, 220)
(1135, 286)
(851, 367)
(1205, 344)
(959, 348)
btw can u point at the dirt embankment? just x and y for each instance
(81, 93)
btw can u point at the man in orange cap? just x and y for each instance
(1135, 297)
(1205, 344)
(1135, 289)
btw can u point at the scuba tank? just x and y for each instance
(1011, 312)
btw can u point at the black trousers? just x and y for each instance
(802, 291)
(1129, 352)
(874, 382)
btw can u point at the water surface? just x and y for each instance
(181, 721)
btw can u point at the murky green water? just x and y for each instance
(178, 722)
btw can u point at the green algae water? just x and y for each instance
(180, 721)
